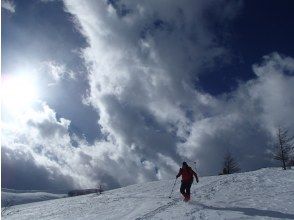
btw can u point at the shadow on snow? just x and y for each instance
(251, 211)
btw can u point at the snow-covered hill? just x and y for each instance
(262, 194)
(15, 197)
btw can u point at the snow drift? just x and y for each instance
(262, 194)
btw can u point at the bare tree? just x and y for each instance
(230, 165)
(283, 147)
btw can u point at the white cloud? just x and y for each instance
(45, 145)
(142, 146)
(245, 121)
(58, 72)
(8, 5)
(143, 58)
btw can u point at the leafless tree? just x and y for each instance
(283, 147)
(230, 165)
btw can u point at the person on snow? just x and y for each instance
(187, 179)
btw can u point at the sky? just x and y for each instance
(118, 92)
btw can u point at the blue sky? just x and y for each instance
(110, 87)
(259, 28)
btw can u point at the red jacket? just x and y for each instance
(187, 174)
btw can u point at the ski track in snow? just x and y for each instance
(160, 209)
(262, 194)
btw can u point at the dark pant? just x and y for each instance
(185, 188)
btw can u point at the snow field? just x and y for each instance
(263, 194)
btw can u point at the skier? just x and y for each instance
(187, 179)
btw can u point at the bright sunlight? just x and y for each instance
(18, 92)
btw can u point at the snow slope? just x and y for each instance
(262, 194)
(16, 197)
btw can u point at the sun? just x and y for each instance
(18, 92)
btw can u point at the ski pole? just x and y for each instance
(195, 166)
(172, 188)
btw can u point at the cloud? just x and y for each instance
(245, 120)
(142, 60)
(19, 171)
(58, 71)
(8, 5)
(44, 146)
(141, 146)
(41, 142)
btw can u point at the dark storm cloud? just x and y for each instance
(20, 171)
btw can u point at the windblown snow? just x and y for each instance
(263, 194)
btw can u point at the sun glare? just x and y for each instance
(18, 92)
